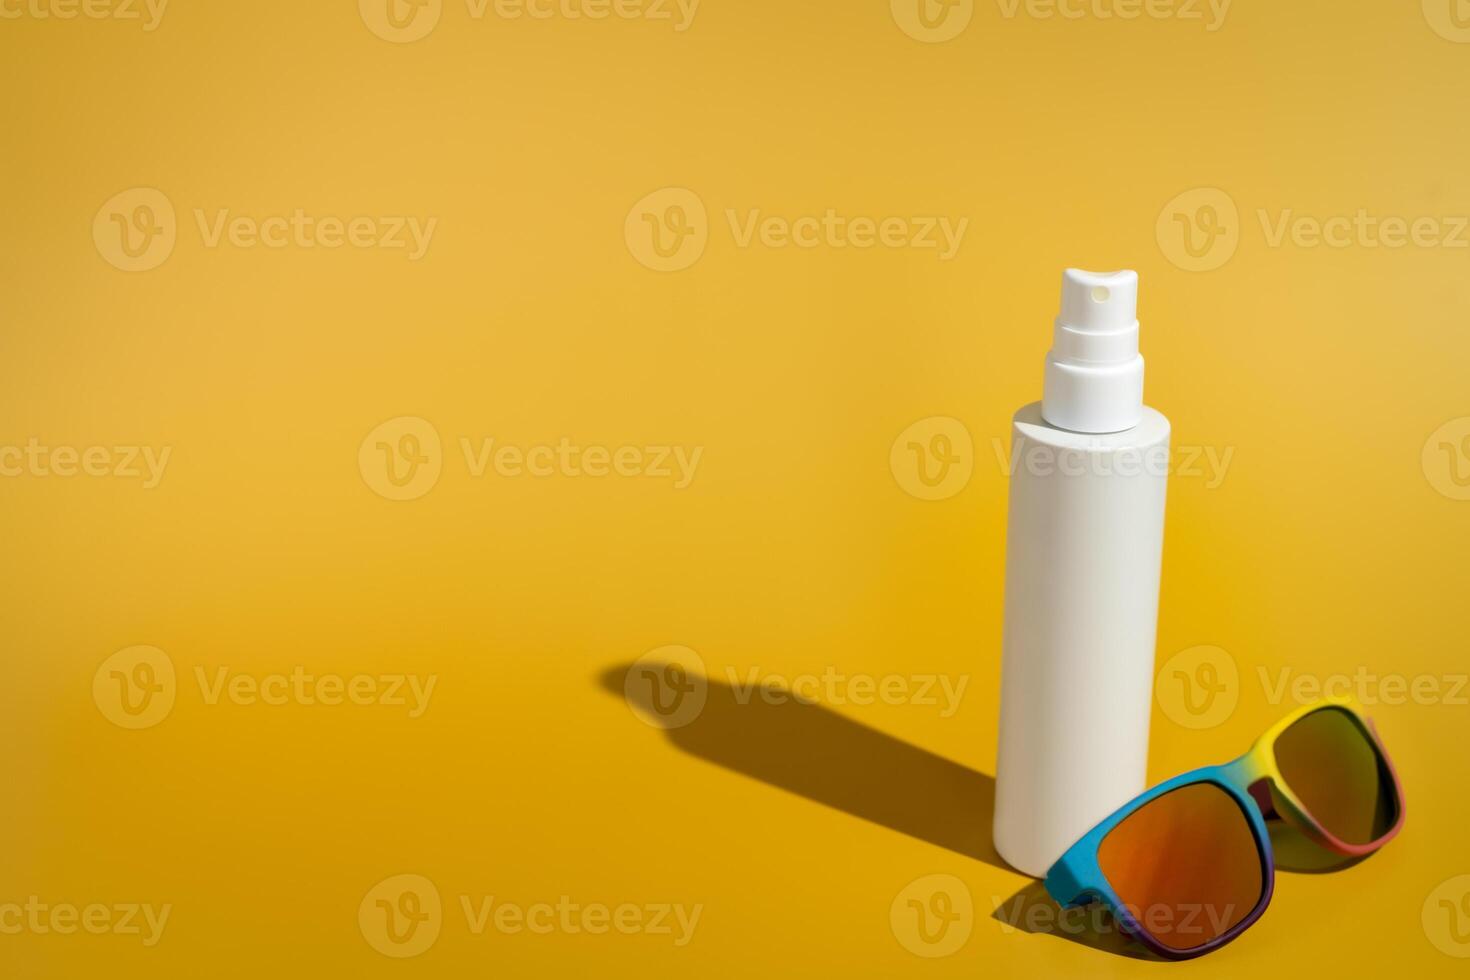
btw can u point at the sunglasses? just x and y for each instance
(1186, 866)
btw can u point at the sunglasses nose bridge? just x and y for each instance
(1243, 772)
(1248, 774)
(1260, 791)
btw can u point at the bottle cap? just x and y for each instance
(1094, 373)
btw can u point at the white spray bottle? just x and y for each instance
(1089, 469)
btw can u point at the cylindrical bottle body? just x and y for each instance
(1084, 545)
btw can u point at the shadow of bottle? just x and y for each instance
(820, 755)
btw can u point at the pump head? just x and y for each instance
(1094, 373)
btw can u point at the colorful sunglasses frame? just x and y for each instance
(1077, 879)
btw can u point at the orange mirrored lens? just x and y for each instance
(1331, 765)
(1186, 865)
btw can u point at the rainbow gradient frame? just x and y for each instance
(1076, 879)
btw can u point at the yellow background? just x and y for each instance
(1326, 548)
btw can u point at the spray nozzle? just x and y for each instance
(1094, 301)
(1094, 373)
